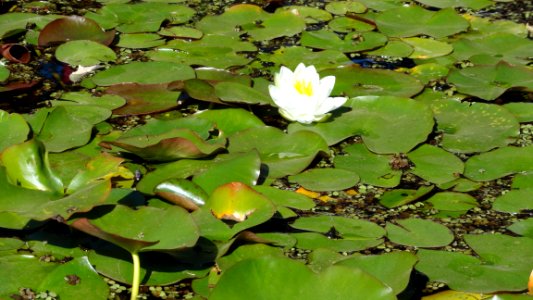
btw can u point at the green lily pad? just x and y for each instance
(284, 154)
(140, 40)
(157, 231)
(236, 92)
(325, 179)
(346, 228)
(141, 17)
(467, 273)
(4, 73)
(153, 72)
(66, 280)
(399, 197)
(435, 164)
(488, 82)
(425, 48)
(244, 168)
(373, 169)
(84, 53)
(294, 280)
(451, 202)
(83, 118)
(282, 23)
(292, 56)
(311, 15)
(238, 202)
(343, 7)
(356, 81)
(376, 120)
(419, 233)
(523, 227)
(99, 167)
(428, 72)
(230, 120)
(13, 129)
(16, 22)
(345, 24)
(473, 127)
(511, 160)
(354, 42)
(213, 50)
(143, 98)
(474, 4)
(523, 111)
(27, 166)
(74, 28)
(286, 198)
(514, 201)
(499, 46)
(157, 268)
(406, 21)
(181, 32)
(393, 49)
(394, 268)
(182, 192)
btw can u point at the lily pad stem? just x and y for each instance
(136, 275)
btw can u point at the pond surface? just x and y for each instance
(274, 149)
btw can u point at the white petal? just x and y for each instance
(326, 86)
(330, 104)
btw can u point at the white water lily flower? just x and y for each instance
(302, 96)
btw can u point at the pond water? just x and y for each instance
(272, 149)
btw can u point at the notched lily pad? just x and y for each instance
(419, 233)
(144, 98)
(84, 53)
(325, 179)
(153, 72)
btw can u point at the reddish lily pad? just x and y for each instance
(172, 145)
(143, 98)
(74, 28)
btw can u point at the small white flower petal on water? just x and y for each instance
(302, 96)
(82, 71)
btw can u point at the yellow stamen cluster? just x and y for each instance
(304, 87)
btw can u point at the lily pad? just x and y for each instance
(356, 81)
(236, 92)
(238, 202)
(474, 4)
(325, 179)
(182, 192)
(74, 28)
(473, 127)
(399, 197)
(157, 231)
(424, 48)
(342, 227)
(143, 98)
(407, 21)
(419, 233)
(231, 120)
(488, 82)
(451, 202)
(354, 42)
(294, 280)
(394, 268)
(140, 40)
(153, 72)
(498, 46)
(284, 154)
(13, 129)
(343, 7)
(514, 201)
(511, 160)
(435, 164)
(523, 227)
(84, 53)
(373, 169)
(292, 56)
(4, 73)
(286, 198)
(345, 24)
